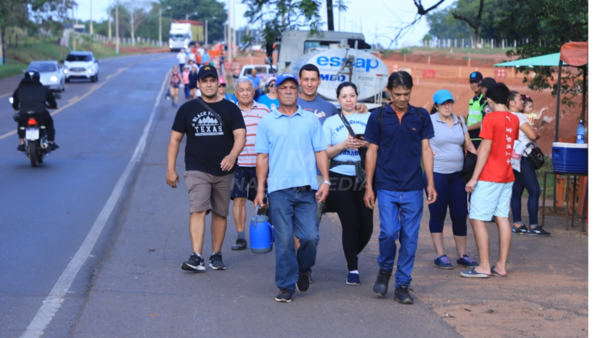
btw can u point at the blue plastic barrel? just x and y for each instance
(570, 158)
(261, 234)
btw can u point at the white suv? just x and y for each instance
(81, 65)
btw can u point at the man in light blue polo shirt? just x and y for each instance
(289, 142)
(398, 143)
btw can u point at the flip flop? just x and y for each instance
(473, 274)
(496, 274)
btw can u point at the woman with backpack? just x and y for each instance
(449, 144)
(175, 81)
(525, 177)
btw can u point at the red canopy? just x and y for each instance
(574, 53)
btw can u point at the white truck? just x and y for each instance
(180, 36)
(340, 56)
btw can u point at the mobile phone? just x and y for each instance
(360, 136)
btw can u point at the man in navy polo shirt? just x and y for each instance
(290, 145)
(398, 142)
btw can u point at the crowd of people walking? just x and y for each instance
(297, 156)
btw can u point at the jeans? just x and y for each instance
(400, 215)
(450, 193)
(526, 179)
(186, 90)
(293, 212)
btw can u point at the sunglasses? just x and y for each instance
(222, 85)
(271, 85)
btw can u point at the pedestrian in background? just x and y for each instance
(182, 59)
(492, 181)
(186, 81)
(175, 81)
(347, 177)
(525, 177)
(270, 98)
(244, 182)
(448, 145)
(399, 137)
(477, 105)
(288, 135)
(215, 135)
(193, 79)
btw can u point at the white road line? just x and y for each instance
(52, 303)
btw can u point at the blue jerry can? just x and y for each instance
(261, 234)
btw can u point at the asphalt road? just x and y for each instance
(130, 282)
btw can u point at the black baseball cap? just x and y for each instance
(475, 77)
(488, 82)
(207, 71)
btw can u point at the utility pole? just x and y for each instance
(91, 19)
(229, 47)
(109, 24)
(330, 15)
(131, 19)
(160, 25)
(117, 27)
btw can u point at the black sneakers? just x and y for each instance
(381, 284)
(284, 296)
(195, 263)
(303, 282)
(21, 147)
(53, 146)
(522, 230)
(216, 261)
(240, 244)
(537, 231)
(402, 295)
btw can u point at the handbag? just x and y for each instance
(469, 161)
(535, 155)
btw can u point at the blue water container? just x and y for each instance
(570, 158)
(261, 234)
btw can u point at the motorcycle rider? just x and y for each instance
(30, 99)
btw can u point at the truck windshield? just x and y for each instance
(179, 36)
(75, 57)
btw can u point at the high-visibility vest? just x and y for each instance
(475, 116)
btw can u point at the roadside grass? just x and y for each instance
(18, 57)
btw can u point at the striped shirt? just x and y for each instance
(248, 156)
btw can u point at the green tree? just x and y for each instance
(206, 9)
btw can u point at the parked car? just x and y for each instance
(81, 65)
(51, 74)
(262, 71)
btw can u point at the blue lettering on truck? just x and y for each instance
(335, 61)
(331, 77)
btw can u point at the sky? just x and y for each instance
(377, 20)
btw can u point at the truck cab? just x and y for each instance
(180, 36)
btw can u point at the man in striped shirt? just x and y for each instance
(244, 182)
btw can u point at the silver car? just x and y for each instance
(51, 74)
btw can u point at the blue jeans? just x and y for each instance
(293, 212)
(526, 179)
(400, 215)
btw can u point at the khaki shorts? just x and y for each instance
(209, 192)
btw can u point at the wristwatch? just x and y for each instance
(327, 182)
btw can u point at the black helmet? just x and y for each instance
(32, 74)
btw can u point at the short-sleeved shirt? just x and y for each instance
(255, 81)
(502, 128)
(181, 57)
(522, 120)
(247, 157)
(321, 108)
(267, 101)
(291, 143)
(448, 144)
(208, 141)
(399, 155)
(336, 132)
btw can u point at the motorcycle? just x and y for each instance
(36, 139)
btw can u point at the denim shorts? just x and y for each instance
(490, 199)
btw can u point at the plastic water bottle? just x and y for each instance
(580, 133)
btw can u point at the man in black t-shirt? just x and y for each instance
(216, 135)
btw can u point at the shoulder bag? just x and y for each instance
(535, 155)
(469, 161)
(218, 117)
(359, 165)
